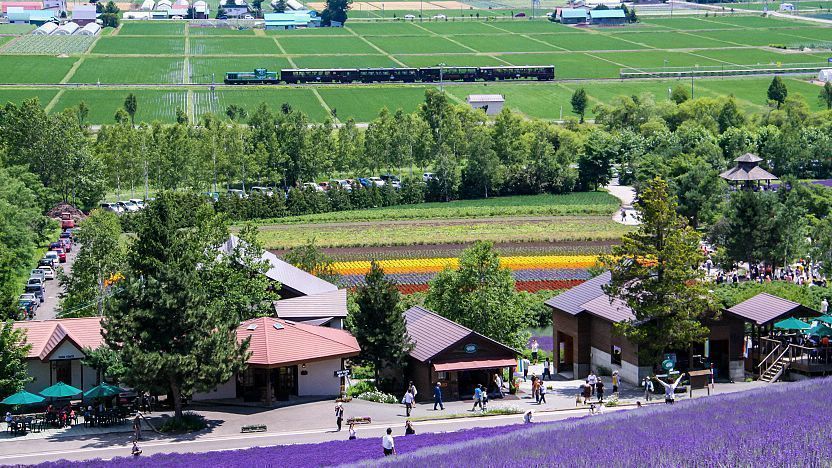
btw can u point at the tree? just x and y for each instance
(109, 16)
(181, 117)
(97, 266)
(235, 112)
(280, 6)
(777, 91)
(174, 320)
(335, 10)
(697, 187)
(825, 95)
(680, 94)
(481, 295)
(130, 106)
(82, 112)
(106, 362)
(378, 322)
(655, 272)
(595, 164)
(14, 373)
(309, 258)
(579, 102)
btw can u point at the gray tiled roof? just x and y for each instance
(327, 304)
(764, 308)
(572, 301)
(431, 333)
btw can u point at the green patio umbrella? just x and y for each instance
(819, 330)
(791, 323)
(22, 398)
(104, 390)
(824, 319)
(60, 390)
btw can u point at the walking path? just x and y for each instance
(627, 214)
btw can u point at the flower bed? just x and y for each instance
(432, 265)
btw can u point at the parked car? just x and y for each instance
(409, 17)
(313, 186)
(36, 281)
(262, 190)
(45, 262)
(364, 182)
(440, 17)
(66, 220)
(392, 180)
(48, 272)
(38, 273)
(128, 206)
(236, 193)
(343, 184)
(139, 203)
(248, 17)
(61, 254)
(112, 207)
(52, 255)
(376, 181)
(56, 245)
(520, 15)
(37, 290)
(324, 185)
(428, 176)
(28, 303)
(66, 244)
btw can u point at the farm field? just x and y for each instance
(95, 69)
(153, 105)
(46, 45)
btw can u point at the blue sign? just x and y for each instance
(829, 60)
(471, 348)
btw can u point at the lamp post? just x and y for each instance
(441, 77)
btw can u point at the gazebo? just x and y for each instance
(748, 172)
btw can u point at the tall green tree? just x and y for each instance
(335, 10)
(378, 322)
(777, 91)
(14, 373)
(311, 259)
(680, 94)
(174, 320)
(579, 102)
(825, 95)
(697, 187)
(99, 261)
(655, 272)
(131, 105)
(595, 164)
(481, 295)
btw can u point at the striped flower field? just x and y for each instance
(532, 273)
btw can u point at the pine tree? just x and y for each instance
(825, 95)
(13, 369)
(579, 102)
(378, 322)
(777, 91)
(655, 271)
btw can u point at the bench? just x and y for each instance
(253, 428)
(359, 420)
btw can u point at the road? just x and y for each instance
(49, 308)
(627, 195)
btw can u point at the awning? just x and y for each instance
(468, 365)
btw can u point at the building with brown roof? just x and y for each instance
(453, 355)
(748, 172)
(582, 326)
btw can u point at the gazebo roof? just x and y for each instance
(747, 170)
(748, 157)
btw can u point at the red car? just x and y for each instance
(66, 221)
(61, 254)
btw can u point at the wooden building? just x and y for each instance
(455, 356)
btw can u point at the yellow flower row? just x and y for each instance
(424, 265)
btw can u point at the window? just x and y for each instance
(63, 371)
(615, 355)
(442, 375)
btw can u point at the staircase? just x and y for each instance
(775, 371)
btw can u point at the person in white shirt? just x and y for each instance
(408, 402)
(670, 389)
(824, 306)
(527, 417)
(388, 444)
(591, 380)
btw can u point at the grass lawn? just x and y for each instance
(750, 37)
(151, 28)
(147, 70)
(386, 29)
(233, 46)
(562, 228)
(417, 45)
(210, 31)
(568, 65)
(664, 40)
(103, 103)
(308, 32)
(656, 59)
(19, 95)
(140, 45)
(34, 69)
(459, 60)
(250, 98)
(504, 43)
(758, 56)
(819, 34)
(344, 61)
(203, 67)
(473, 27)
(543, 101)
(15, 28)
(325, 45)
(531, 27)
(352, 102)
(588, 41)
(683, 24)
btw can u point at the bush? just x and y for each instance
(189, 422)
(378, 397)
(362, 372)
(360, 387)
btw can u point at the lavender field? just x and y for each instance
(780, 425)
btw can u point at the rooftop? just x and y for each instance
(327, 304)
(612, 13)
(766, 308)
(277, 343)
(45, 336)
(486, 98)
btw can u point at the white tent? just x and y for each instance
(147, 5)
(825, 75)
(91, 29)
(67, 30)
(294, 5)
(46, 29)
(164, 5)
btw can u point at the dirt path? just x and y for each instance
(627, 215)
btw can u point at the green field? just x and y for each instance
(103, 103)
(106, 70)
(140, 45)
(34, 69)
(233, 46)
(147, 28)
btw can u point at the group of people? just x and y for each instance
(801, 273)
(538, 390)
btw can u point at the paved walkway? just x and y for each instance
(627, 195)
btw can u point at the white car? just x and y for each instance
(428, 176)
(376, 181)
(262, 190)
(138, 202)
(248, 17)
(440, 17)
(48, 272)
(409, 17)
(313, 186)
(52, 255)
(128, 206)
(237, 193)
(112, 207)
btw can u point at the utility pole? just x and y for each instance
(441, 77)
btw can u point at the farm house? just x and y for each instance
(239, 8)
(68, 29)
(6, 6)
(201, 10)
(572, 15)
(491, 103)
(825, 75)
(164, 5)
(294, 20)
(91, 29)
(45, 29)
(83, 15)
(17, 15)
(59, 5)
(607, 17)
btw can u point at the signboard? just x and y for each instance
(471, 348)
(342, 373)
(667, 364)
(829, 60)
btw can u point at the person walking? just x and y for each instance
(547, 373)
(137, 427)
(412, 389)
(535, 348)
(615, 382)
(339, 414)
(484, 399)
(477, 397)
(525, 369)
(408, 428)
(498, 382)
(587, 392)
(437, 397)
(599, 389)
(353, 432)
(648, 389)
(670, 389)
(535, 388)
(591, 380)
(408, 402)
(388, 444)
(542, 393)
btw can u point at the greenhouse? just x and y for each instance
(91, 29)
(67, 30)
(46, 29)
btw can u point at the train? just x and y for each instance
(391, 75)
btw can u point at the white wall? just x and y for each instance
(223, 391)
(39, 371)
(320, 379)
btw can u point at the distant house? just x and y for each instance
(164, 5)
(201, 10)
(614, 17)
(17, 15)
(59, 5)
(292, 20)
(236, 8)
(825, 75)
(21, 5)
(492, 103)
(328, 309)
(84, 14)
(572, 15)
(178, 13)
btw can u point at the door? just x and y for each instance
(63, 372)
(565, 356)
(287, 382)
(720, 358)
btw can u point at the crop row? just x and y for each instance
(427, 265)
(537, 274)
(49, 45)
(528, 286)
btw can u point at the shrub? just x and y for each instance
(378, 397)
(189, 422)
(360, 387)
